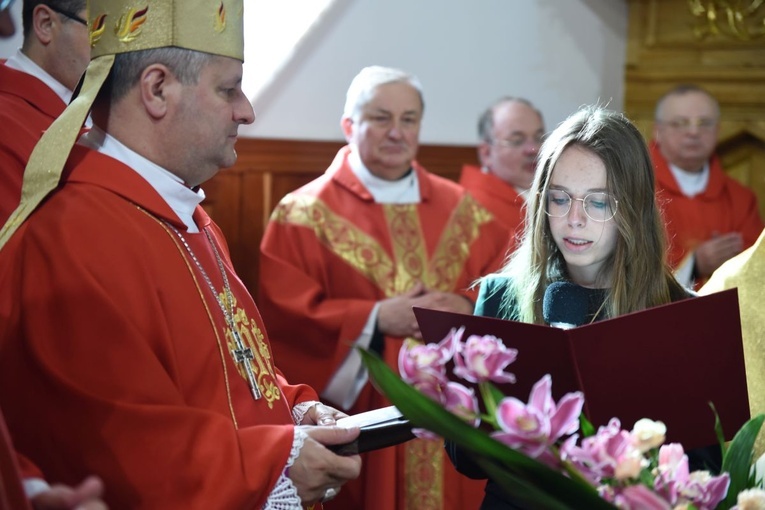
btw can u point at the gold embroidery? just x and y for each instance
(409, 251)
(453, 249)
(253, 337)
(342, 237)
(220, 19)
(129, 25)
(97, 29)
(424, 472)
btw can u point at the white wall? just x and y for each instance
(560, 54)
(9, 46)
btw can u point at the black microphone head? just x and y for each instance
(565, 303)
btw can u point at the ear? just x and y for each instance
(484, 153)
(42, 23)
(157, 86)
(346, 123)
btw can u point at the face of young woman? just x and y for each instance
(584, 243)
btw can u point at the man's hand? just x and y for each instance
(711, 254)
(317, 469)
(396, 318)
(321, 414)
(86, 496)
(445, 301)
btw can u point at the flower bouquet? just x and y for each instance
(546, 454)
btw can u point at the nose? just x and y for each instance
(576, 215)
(243, 111)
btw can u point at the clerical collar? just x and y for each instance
(182, 200)
(21, 62)
(403, 191)
(691, 183)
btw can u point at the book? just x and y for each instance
(380, 428)
(666, 363)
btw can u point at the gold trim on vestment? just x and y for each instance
(252, 335)
(359, 250)
(183, 255)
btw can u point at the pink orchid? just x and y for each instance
(680, 487)
(640, 497)
(462, 401)
(424, 366)
(533, 428)
(484, 358)
(602, 455)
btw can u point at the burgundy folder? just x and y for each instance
(665, 363)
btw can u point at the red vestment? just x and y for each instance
(328, 255)
(27, 107)
(121, 355)
(725, 206)
(12, 495)
(499, 197)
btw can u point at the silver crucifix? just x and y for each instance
(243, 356)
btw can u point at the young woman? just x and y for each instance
(592, 221)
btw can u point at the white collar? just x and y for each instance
(691, 183)
(402, 191)
(181, 199)
(21, 62)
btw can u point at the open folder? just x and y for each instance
(665, 363)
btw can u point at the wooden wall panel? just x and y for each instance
(240, 199)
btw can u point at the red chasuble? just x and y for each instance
(27, 107)
(725, 206)
(121, 356)
(12, 495)
(328, 255)
(500, 198)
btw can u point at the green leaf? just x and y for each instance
(522, 494)
(586, 428)
(737, 460)
(423, 412)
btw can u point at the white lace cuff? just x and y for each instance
(285, 496)
(298, 412)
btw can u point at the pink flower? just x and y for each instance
(484, 358)
(462, 401)
(424, 366)
(681, 487)
(533, 428)
(640, 497)
(602, 455)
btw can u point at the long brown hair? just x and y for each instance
(637, 269)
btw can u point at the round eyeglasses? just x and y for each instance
(598, 207)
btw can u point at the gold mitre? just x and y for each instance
(121, 26)
(210, 26)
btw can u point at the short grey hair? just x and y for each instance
(368, 80)
(682, 90)
(486, 120)
(126, 72)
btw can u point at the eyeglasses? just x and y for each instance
(685, 124)
(516, 142)
(67, 14)
(598, 207)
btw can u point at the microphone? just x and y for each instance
(565, 305)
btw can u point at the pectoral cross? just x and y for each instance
(243, 356)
